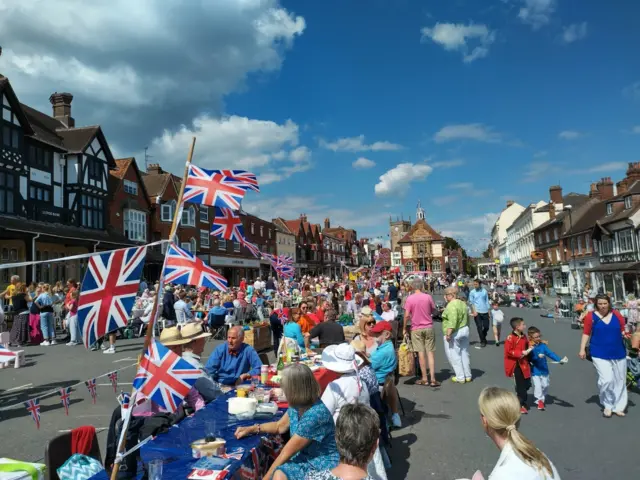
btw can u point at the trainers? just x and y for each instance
(523, 410)
(110, 350)
(53, 342)
(105, 346)
(497, 344)
(72, 344)
(395, 420)
(94, 348)
(540, 405)
(455, 380)
(468, 380)
(45, 343)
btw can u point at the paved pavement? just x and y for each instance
(442, 437)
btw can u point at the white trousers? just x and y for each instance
(457, 350)
(612, 376)
(540, 386)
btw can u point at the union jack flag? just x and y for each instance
(184, 268)
(33, 407)
(65, 396)
(211, 187)
(108, 292)
(6, 354)
(227, 224)
(246, 180)
(113, 376)
(255, 251)
(91, 385)
(164, 377)
(124, 399)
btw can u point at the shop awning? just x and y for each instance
(617, 267)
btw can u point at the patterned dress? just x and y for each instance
(316, 424)
(327, 475)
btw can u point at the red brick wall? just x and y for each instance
(120, 200)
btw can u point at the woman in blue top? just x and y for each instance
(312, 446)
(44, 302)
(293, 330)
(603, 329)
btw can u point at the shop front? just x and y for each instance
(235, 269)
(265, 269)
(618, 280)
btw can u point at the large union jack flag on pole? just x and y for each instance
(210, 187)
(184, 268)
(108, 292)
(164, 377)
(227, 224)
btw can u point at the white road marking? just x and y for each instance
(123, 359)
(19, 388)
(98, 430)
(110, 385)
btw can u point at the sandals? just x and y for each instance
(435, 384)
(427, 383)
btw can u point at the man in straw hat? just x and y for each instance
(196, 338)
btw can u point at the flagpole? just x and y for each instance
(154, 310)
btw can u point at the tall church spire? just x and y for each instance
(419, 212)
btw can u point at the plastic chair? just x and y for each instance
(58, 450)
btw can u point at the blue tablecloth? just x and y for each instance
(174, 446)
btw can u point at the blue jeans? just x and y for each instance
(74, 329)
(47, 326)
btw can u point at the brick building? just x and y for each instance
(261, 233)
(308, 244)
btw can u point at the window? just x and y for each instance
(91, 212)
(607, 245)
(253, 228)
(555, 233)
(39, 193)
(8, 186)
(627, 202)
(408, 267)
(236, 246)
(546, 235)
(189, 217)
(130, 187)
(194, 245)
(222, 244)
(564, 278)
(269, 233)
(595, 246)
(11, 134)
(186, 246)
(587, 243)
(558, 257)
(204, 238)
(539, 238)
(135, 225)
(609, 208)
(261, 231)
(435, 265)
(549, 255)
(94, 168)
(204, 214)
(625, 240)
(166, 211)
(580, 244)
(40, 158)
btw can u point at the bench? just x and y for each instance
(18, 360)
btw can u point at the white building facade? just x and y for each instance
(521, 242)
(499, 235)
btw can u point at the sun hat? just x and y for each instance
(340, 358)
(191, 331)
(171, 336)
(381, 327)
(366, 311)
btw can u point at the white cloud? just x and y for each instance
(537, 13)
(473, 233)
(456, 162)
(539, 170)
(632, 91)
(397, 180)
(235, 142)
(636, 129)
(442, 200)
(569, 135)
(604, 167)
(541, 153)
(462, 38)
(363, 163)
(574, 32)
(357, 144)
(470, 131)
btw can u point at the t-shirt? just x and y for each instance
(329, 333)
(344, 391)
(393, 293)
(420, 306)
(389, 315)
(497, 315)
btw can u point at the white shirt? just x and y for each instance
(497, 315)
(389, 315)
(510, 467)
(343, 391)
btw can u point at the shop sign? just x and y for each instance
(233, 262)
(300, 265)
(565, 268)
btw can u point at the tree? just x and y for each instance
(452, 244)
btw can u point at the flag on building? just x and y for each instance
(211, 187)
(184, 268)
(108, 292)
(65, 397)
(113, 376)
(91, 385)
(33, 407)
(227, 224)
(164, 377)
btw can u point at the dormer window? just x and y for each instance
(609, 208)
(627, 202)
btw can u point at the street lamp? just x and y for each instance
(569, 208)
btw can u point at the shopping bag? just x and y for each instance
(406, 366)
(79, 467)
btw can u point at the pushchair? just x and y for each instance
(633, 362)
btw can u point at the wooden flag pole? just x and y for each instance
(154, 310)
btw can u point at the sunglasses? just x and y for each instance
(371, 323)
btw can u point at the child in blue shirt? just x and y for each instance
(539, 366)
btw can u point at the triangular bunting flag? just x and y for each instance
(113, 376)
(33, 407)
(91, 385)
(65, 397)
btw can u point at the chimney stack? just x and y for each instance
(593, 191)
(303, 217)
(622, 186)
(633, 172)
(605, 187)
(62, 108)
(509, 203)
(555, 194)
(327, 223)
(154, 169)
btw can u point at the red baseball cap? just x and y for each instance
(381, 326)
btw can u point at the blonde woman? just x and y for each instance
(519, 457)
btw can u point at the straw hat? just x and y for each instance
(366, 311)
(191, 331)
(340, 358)
(171, 336)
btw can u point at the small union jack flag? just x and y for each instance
(211, 187)
(33, 407)
(91, 385)
(108, 292)
(113, 376)
(184, 268)
(227, 224)
(164, 377)
(246, 180)
(65, 396)
(6, 354)
(124, 399)
(255, 251)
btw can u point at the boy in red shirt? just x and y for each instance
(516, 363)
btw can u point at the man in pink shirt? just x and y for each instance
(419, 308)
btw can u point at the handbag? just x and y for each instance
(79, 467)
(406, 366)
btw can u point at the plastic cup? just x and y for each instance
(154, 468)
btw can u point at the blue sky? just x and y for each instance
(461, 104)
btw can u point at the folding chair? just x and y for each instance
(58, 450)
